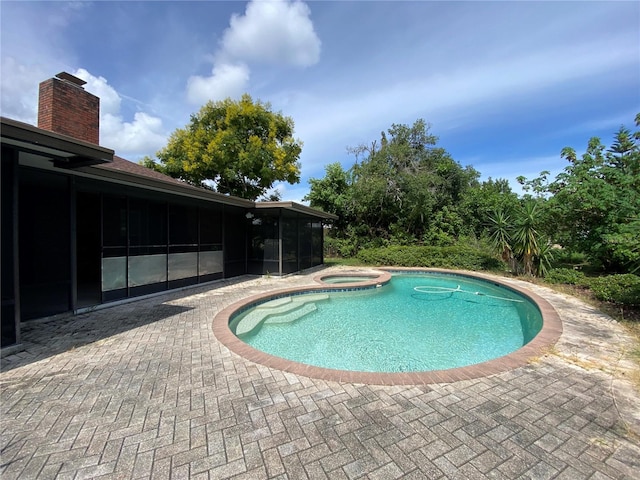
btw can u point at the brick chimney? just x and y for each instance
(65, 107)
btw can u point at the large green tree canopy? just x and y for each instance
(239, 148)
(595, 201)
(402, 189)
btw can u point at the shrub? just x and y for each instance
(564, 275)
(623, 289)
(562, 257)
(435, 257)
(339, 247)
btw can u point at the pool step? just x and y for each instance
(271, 304)
(281, 310)
(292, 315)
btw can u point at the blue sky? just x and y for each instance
(505, 85)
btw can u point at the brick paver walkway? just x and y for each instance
(144, 390)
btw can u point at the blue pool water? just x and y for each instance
(417, 322)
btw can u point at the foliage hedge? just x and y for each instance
(623, 289)
(565, 258)
(435, 257)
(565, 275)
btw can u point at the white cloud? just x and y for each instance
(456, 96)
(19, 90)
(109, 99)
(278, 32)
(226, 80)
(468, 93)
(608, 123)
(142, 136)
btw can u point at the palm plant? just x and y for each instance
(543, 259)
(519, 242)
(525, 236)
(500, 235)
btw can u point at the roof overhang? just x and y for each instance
(298, 208)
(170, 187)
(66, 152)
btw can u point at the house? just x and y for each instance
(82, 227)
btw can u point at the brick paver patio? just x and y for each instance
(145, 390)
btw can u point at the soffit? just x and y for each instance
(66, 152)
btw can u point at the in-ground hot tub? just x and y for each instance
(348, 278)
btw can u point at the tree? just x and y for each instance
(483, 200)
(402, 182)
(595, 202)
(331, 193)
(402, 189)
(239, 148)
(624, 153)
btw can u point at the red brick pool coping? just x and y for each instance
(547, 337)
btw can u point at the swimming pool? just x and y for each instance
(417, 322)
(533, 350)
